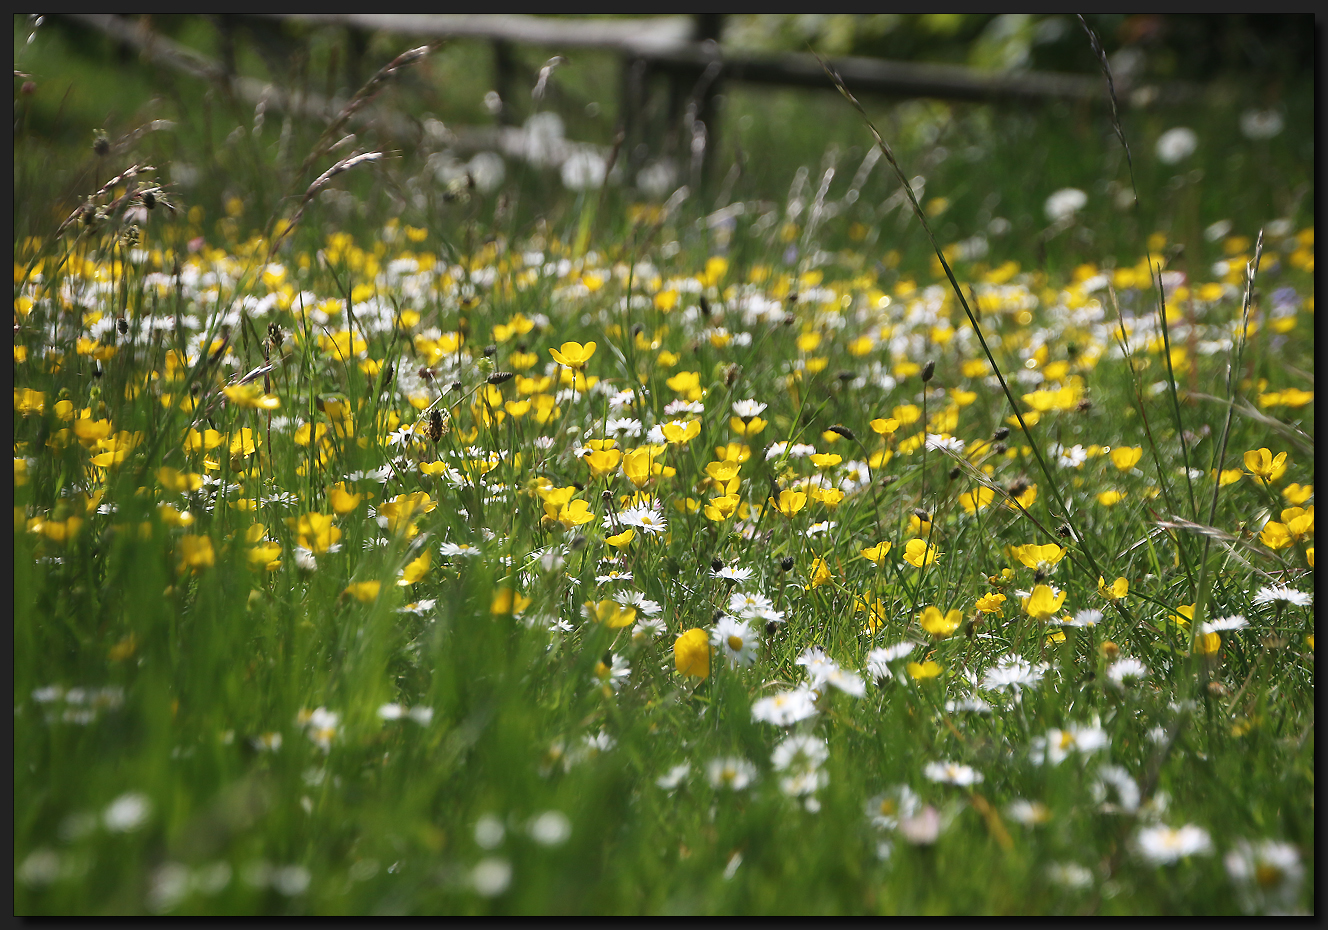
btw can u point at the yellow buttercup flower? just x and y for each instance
(678, 433)
(620, 540)
(875, 554)
(573, 354)
(637, 465)
(1115, 591)
(747, 427)
(602, 461)
(938, 624)
(245, 442)
(1042, 603)
(364, 591)
(691, 653)
(923, 670)
(574, 513)
(876, 613)
(1126, 457)
(790, 502)
(1183, 615)
(1024, 500)
(196, 551)
(343, 501)
(1263, 464)
(403, 508)
(1275, 535)
(251, 396)
(1298, 494)
(830, 497)
(976, 500)
(265, 555)
(721, 508)
(415, 570)
(92, 430)
(723, 472)
(56, 530)
(506, 601)
(610, 613)
(918, 554)
(686, 383)
(180, 482)
(1036, 556)
(316, 531)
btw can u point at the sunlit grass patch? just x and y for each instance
(628, 573)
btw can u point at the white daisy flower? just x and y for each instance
(1127, 669)
(627, 426)
(748, 408)
(1064, 203)
(817, 663)
(1028, 813)
(1267, 874)
(885, 810)
(952, 773)
(786, 708)
(732, 772)
(644, 605)
(850, 683)
(1269, 594)
(974, 705)
(1013, 673)
(1176, 145)
(452, 550)
(1114, 777)
(615, 674)
(879, 660)
(1085, 618)
(944, 443)
(649, 626)
(1059, 743)
(674, 776)
(1072, 457)
(799, 752)
(803, 783)
(648, 517)
(736, 639)
(748, 606)
(683, 406)
(1070, 875)
(1162, 845)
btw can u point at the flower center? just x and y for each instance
(1268, 875)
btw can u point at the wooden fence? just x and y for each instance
(682, 50)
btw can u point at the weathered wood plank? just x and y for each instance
(646, 35)
(666, 43)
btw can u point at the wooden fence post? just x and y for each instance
(504, 80)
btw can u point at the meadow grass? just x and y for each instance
(638, 561)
